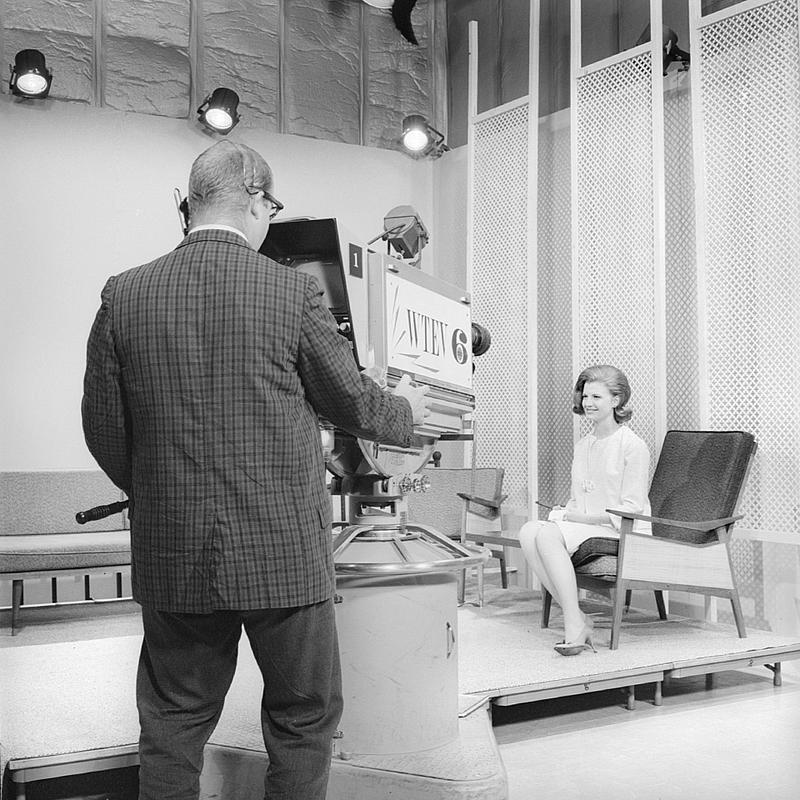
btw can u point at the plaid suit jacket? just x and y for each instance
(206, 371)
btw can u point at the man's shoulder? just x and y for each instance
(242, 256)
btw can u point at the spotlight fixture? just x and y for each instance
(405, 232)
(29, 75)
(422, 139)
(218, 111)
(401, 15)
(670, 49)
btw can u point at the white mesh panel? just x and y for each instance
(682, 366)
(554, 320)
(499, 295)
(750, 103)
(616, 234)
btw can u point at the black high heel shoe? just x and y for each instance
(583, 641)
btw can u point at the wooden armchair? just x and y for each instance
(458, 498)
(487, 509)
(694, 493)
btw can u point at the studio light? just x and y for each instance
(405, 232)
(218, 111)
(669, 46)
(422, 139)
(29, 75)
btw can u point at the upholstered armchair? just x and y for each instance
(694, 494)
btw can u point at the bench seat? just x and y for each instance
(60, 551)
(39, 536)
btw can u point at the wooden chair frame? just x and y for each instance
(488, 508)
(660, 564)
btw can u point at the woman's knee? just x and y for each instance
(530, 532)
(527, 533)
(548, 534)
(536, 531)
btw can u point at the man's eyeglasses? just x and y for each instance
(277, 206)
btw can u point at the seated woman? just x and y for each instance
(610, 469)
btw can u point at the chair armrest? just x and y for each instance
(702, 525)
(494, 503)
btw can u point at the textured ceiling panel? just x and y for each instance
(329, 69)
(71, 16)
(163, 22)
(64, 31)
(144, 77)
(240, 50)
(323, 70)
(146, 57)
(399, 81)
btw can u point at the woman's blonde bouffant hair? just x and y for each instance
(614, 380)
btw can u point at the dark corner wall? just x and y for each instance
(609, 27)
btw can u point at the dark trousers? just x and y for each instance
(186, 667)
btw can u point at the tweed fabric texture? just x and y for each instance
(44, 551)
(206, 372)
(699, 476)
(43, 502)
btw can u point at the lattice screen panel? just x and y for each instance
(682, 363)
(750, 109)
(500, 289)
(616, 231)
(750, 101)
(554, 313)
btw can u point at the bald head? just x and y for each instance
(221, 180)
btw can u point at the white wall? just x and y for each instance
(86, 193)
(449, 235)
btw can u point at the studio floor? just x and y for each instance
(735, 740)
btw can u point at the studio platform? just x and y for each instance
(68, 707)
(506, 656)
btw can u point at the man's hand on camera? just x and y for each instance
(376, 374)
(420, 404)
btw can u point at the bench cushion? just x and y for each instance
(46, 502)
(55, 551)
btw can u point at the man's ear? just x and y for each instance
(256, 207)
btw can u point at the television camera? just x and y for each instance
(398, 320)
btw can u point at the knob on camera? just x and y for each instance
(481, 339)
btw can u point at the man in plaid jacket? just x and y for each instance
(206, 372)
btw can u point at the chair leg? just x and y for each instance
(628, 598)
(480, 585)
(16, 602)
(462, 580)
(660, 604)
(547, 602)
(501, 556)
(737, 614)
(616, 621)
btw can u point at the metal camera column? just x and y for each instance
(405, 731)
(397, 618)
